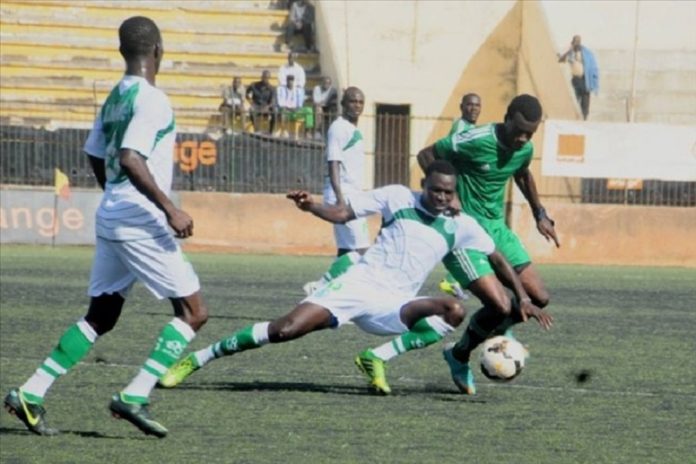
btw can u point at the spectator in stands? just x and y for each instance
(325, 102)
(585, 73)
(232, 106)
(290, 100)
(301, 21)
(261, 98)
(292, 67)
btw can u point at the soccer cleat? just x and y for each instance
(179, 371)
(453, 288)
(33, 415)
(462, 376)
(138, 415)
(375, 370)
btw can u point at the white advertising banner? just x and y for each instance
(619, 150)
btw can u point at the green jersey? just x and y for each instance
(460, 125)
(484, 166)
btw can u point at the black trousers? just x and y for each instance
(582, 94)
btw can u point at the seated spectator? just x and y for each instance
(301, 21)
(261, 98)
(292, 68)
(232, 106)
(290, 101)
(325, 102)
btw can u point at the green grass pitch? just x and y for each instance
(613, 382)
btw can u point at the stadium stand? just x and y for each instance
(59, 61)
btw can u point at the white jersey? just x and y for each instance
(345, 144)
(411, 241)
(138, 116)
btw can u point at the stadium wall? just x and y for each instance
(261, 223)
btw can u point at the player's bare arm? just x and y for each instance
(136, 169)
(335, 179)
(337, 214)
(426, 156)
(99, 169)
(545, 225)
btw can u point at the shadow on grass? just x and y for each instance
(90, 434)
(438, 393)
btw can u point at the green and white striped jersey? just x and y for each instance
(138, 116)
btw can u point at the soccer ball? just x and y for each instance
(502, 358)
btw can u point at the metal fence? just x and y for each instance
(245, 162)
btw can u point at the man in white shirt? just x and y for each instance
(290, 101)
(292, 67)
(325, 100)
(378, 293)
(130, 151)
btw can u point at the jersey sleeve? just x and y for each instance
(151, 114)
(472, 236)
(96, 141)
(445, 148)
(336, 141)
(377, 200)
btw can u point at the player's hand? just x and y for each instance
(529, 309)
(181, 222)
(545, 226)
(302, 199)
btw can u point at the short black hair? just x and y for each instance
(138, 36)
(527, 105)
(469, 95)
(441, 167)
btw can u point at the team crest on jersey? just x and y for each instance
(450, 225)
(485, 167)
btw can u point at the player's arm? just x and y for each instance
(426, 156)
(99, 169)
(337, 214)
(508, 277)
(134, 166)
(545, 225)
(335, 181)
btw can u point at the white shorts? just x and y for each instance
(352, 235)
(375, 310)
(158, 263)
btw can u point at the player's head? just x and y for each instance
(521, 120)
(470, 107)
(353, 103)
(576, 42)
(140, 38)
(439, 186)
(265, 76)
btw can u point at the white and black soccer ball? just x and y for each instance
(502, 358)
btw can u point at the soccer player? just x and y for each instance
(485, 158)
(378, 293)
(345, 156)
(470, 107)
(130, 149)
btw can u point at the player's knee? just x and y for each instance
(283, 331)
(455, 313)
(198, 317)
(542, 300)
(104, 311)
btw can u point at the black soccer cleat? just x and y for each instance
(32, 415)
(138, 415)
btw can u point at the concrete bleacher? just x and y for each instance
(59, 59)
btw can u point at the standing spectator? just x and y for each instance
(290, 101)
(301, 20)
(585, 72)
(325, 102)
(232, 106)
(292, 67)
(261, 97)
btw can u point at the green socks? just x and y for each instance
(71, 349)
(424, 332)
(248, 338)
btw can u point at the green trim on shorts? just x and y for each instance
(467, 266)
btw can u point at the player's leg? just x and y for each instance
(352, 240)
(421, 322)
(473, 271)
(161, 266)
(109, 280)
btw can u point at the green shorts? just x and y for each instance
(466, 266)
